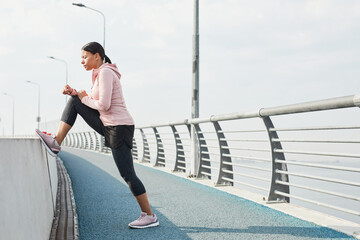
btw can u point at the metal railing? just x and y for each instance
(247, 150)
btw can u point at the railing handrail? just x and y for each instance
(320, 105)
(223, 156)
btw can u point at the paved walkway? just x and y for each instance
(186, 210)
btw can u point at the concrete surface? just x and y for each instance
(186, 210)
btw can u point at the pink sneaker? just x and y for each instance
(145, 221)
(49, 142)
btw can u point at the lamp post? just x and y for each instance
(38, 117)
(13, 125)
(61, 60)
(195, 90)
(82, 5)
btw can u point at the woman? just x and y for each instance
(105, 111)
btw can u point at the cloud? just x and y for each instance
(251, 52)
(4, 50)
(163, 18)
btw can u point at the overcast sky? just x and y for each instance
(253, 54)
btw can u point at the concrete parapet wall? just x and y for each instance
(28, 185)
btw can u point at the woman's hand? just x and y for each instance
(81, 94)
(67, 90)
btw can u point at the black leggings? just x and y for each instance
(122, 155)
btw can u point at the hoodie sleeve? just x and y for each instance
(105, 79)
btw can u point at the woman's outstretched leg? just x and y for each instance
(73, 107)
(62, 131)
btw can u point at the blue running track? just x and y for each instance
(186, 210)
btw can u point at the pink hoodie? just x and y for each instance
(106, 96)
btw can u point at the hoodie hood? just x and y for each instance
(112, 67)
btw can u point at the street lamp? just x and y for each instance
(195, 90)
(13, 125)
(82, 5)
(38, 117)
(61, 60)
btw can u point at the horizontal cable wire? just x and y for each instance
(207, 132)
(246, 157)
(246, 149)
(246, 166)
(209, 146)
(315, 141)
(211, 153)
(319, 178)
(210, 167)
(318, 190)
(242, 183)
(170, 154)
(205, 173)
(318, 153)
(181, 144)
(318, 203)
(247, 140)
(208, 139)
(208, 160)
(246, 175)
(318, 165)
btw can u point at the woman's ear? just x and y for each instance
(97, 56)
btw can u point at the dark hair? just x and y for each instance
(94, 47)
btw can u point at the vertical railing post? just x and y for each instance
(73, 140)
(102, 143)
(160, 155)
(77, 140)
(146, 150)
(91, 142)
(276, 166)
(65, 142)
(189, 161)
(134, 150)
(85, 139)
(225, 159)
(204, 158)
(180, 154)
(80, 140)
(95, 146)
(71, 136)
(195, 158)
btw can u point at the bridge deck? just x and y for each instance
(186, 210)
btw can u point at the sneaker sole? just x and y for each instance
(46, 146)
(146, 226)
